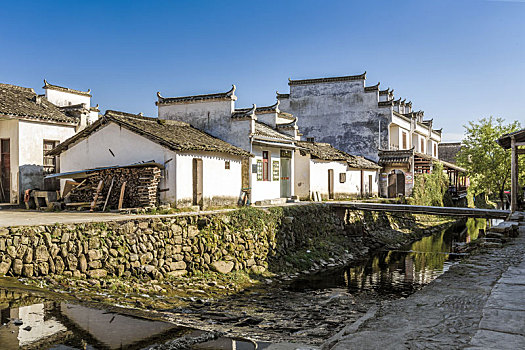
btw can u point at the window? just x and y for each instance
(422, 150)
(227, 164)
(275, 170)
(405, 140)
(435, 150)
(310, 139)
(342, 178)
(50, 162)
(259, 170)
(265, 166)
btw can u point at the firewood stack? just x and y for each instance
(141, 188)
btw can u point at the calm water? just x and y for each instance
(32, 322)
(398, 272)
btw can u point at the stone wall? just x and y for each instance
(163, 246)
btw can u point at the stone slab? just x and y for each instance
(507, 321)
(508, 296)
(487, 339)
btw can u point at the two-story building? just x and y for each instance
(366, 121)
(30, 125)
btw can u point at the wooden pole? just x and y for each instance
(109, 193)
(514, 176)
(121, 197)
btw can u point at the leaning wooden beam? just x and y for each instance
(513, 175)
(99, 188)
(109, 193)
(121, 197)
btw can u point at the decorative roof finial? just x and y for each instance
(232, 91)
(45, 83)
(159, 96)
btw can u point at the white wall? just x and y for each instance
(301, 175)
(127, 147)
(219, 184)
(319, 177)
(9, 130)
(62, 98)
(271, 189)
(31, 150)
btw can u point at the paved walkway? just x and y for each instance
(20, 217)
(477, 304)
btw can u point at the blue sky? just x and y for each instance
(457, 60)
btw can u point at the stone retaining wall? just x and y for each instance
(246, 239)
(160, 247)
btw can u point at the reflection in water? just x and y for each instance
(399, 272)
(31, 322)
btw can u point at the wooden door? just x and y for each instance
(400, 184)
(285, 178)
(330, 183)
(5, 171)
(197, 182)
(392, 185)
(370, 185)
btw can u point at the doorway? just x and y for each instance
(5, 171)
(197, 182)
(396, 184)
(285, 177)
(330, 183)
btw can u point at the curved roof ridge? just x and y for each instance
(327, 80)
(230, 94)
(65, 89)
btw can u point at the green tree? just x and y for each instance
(487, 164)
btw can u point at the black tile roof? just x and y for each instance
(327, 80)
(174, 135)
(228, 95)
(326, 151)
(266, 131)
(24, 103)
(65, 89)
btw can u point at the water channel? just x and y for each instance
(29, 320)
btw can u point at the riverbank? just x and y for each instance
(477, 304)
(245, 303)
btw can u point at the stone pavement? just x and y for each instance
(477, 304)
(21, 217)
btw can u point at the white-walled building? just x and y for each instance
(199, 169)
(365, 121)
(265, 132)
(30, 125)
(332, 174)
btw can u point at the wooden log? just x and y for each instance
(109, 193)
(121, 197)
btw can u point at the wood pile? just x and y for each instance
(117, 188)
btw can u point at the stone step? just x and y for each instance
(492, 234)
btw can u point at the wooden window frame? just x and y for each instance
(342, 178)
(54, 165)
(265, 166)
(404, 139)
(227, 164)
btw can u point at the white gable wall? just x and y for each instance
(127, 147)
(31, 150)
(62, 98)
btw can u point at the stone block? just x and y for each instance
(222, 266)
(177, 273)
(4, 268)
(17, 267)
(41, 253)
(177, 265)
(27, 270)
(98, 273)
